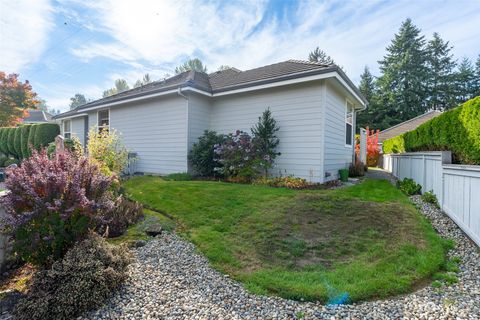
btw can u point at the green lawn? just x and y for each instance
(367, 241)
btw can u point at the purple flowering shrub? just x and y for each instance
(237, 156)
(52, 203)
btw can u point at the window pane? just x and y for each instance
(66, 126)
(67, 135)
(348, 132)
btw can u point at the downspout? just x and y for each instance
(187, 129)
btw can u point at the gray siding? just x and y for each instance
(77, 128)
(298, 111)
(156, 130)
(337, 155)
(199, 109)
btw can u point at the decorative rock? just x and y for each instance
(154, 230)
(138, 243)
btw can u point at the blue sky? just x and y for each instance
(69, 46)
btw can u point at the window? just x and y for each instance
(348, 124)
(67, 129)
(103, 120)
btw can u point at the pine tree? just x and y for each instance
(477, 76)
(440, 65)
(318, 55)
(465, 81)
(265, 140)
(367, 87)
(403, 79)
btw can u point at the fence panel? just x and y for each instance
(457, 187)
(461, 197)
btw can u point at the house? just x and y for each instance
(37, 116)
(314, 105)
(406, 126)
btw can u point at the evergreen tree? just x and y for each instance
(77, 100)
(141, 82)
(477, 76)
(318, 55)
(465, 81)
(192, 64)
(120, 86)
(265, 140)
(367, 87)
(403, 79)
(440, 65)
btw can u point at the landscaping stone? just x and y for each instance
(154, 230)
(171, 280)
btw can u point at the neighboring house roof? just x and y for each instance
(406, 126)
(37, 116)
(223, 81)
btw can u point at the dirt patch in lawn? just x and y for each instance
(317, 230)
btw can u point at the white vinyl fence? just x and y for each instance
(457, 187)
(363, 145)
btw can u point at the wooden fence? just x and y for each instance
(457, 187)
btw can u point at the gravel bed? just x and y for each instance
(171, 280)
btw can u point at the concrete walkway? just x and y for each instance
(380, 174)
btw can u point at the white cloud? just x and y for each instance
(24, 28)
(163, 33)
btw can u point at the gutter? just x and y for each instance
(187, 129)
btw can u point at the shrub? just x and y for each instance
(107, 150)
(430, 197)
(88, 274)
(409, 186)
(44, 134)
(202, 156)
(11, 161)
(31, 139)
(265, 141)
(457, 130)
(117, 220)
(180, 176)
(289, 182)
(25, 149)
(357, 169)
(237, 156)
(52, 204)
(17, 142)
(73, 145)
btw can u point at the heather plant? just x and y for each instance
(108, 151)
(266, 141)
(237, 156)
(52, 203)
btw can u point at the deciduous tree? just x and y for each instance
(15, 98)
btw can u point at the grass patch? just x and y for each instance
(366, 241)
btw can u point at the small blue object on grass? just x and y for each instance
(342, 298)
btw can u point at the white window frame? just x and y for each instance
(347, 115)
(69, 132)
(100, 127)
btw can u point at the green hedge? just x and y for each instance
(457, 130)
(17, 142)
(24, 141)
(10, 141)
(44, 134)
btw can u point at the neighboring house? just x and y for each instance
(37, 116)
(314, 105)
(406, 126)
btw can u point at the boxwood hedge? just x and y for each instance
(17, 142)
(457, 130)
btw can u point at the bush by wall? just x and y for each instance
(2, 141)
(457, 130)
